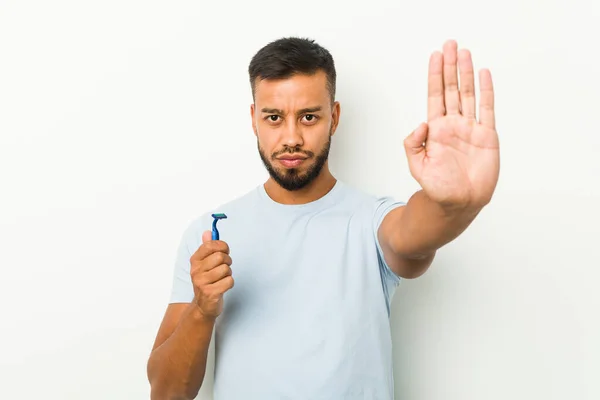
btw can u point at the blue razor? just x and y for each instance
(215, 232)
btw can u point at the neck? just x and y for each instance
(311, 192)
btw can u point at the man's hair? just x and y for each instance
(286, 57)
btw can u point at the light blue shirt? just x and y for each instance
(308, 316)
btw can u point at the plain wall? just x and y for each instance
(121, 121)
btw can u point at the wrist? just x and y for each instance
(198, 316)
(453, 210)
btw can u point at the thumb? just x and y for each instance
(414, 143)
(206, 236)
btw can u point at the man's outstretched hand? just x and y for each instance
(455, 155)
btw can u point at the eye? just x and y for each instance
(310, 118)
(273, 118)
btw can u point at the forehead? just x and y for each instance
(299, 90)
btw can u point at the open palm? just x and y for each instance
(455, 157)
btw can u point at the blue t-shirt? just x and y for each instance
(308, 316)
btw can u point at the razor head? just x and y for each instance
(217, 217)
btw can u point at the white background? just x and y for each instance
(122, 120)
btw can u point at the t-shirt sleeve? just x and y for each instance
(389, 279)
(182, 290)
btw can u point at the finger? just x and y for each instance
(451, 96)
(435, 87)
(487, 115)
(208, 248)
(216, 274)
(205, 249)
(415, 142)
(467, 84)
(222, 285)
(210, 262)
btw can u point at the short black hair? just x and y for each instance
(288, 56)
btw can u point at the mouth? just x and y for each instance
(291, 161)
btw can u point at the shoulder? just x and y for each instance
(371, 204)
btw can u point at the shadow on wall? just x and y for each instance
(352, 151)
(415, 312)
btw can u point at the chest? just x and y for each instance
(302, 265)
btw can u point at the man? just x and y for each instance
(314, 261)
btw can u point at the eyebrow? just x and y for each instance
(302, 111)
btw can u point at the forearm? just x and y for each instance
(426, 226)
(176, 368)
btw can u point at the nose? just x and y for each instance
(292, 135)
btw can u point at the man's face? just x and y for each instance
(293, 120)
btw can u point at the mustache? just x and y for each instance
(293, 150)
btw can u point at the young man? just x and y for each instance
(314, 261)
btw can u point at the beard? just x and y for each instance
(292, 179)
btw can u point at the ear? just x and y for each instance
(253, 119)
(335, 116)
